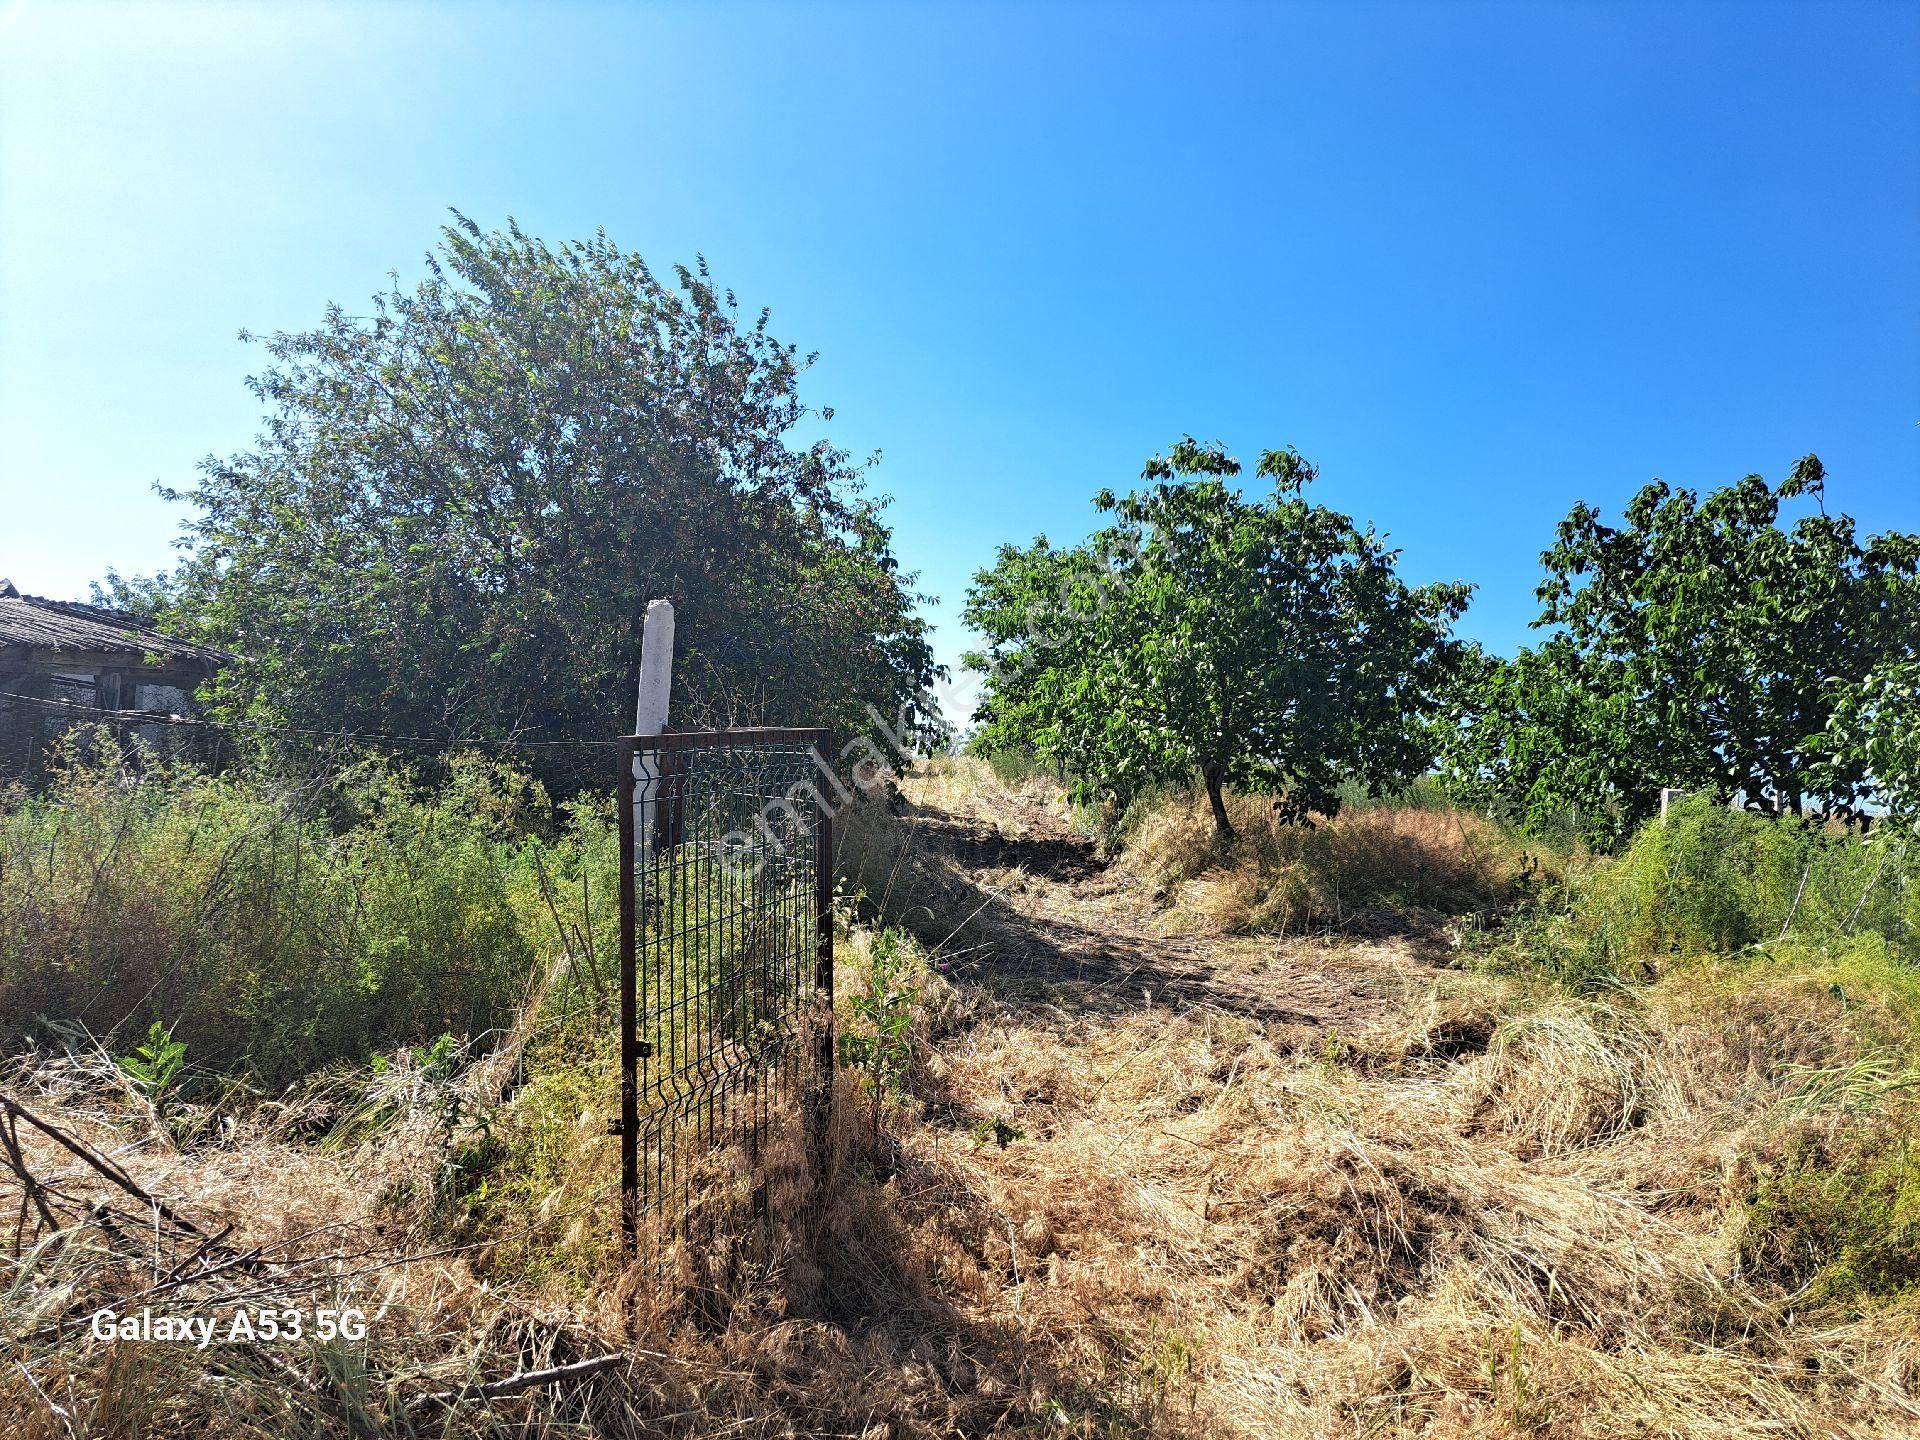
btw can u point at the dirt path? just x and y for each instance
(1253, 1186)
(1216, 1181)
(1056, 924)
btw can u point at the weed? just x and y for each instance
(1836, 1215)
(155, 1063)
(997, 1130)
(877, 1039)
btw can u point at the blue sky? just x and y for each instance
(1477, 261)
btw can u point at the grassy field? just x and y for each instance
(1407, 1125)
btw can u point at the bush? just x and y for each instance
(1709, 879)
(1280, 876)
(1837, 1213)
(275, 926)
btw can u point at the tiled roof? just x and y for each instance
(39, 624)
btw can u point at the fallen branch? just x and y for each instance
(105, 1167)
(525, 1380)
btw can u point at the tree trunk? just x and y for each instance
(1222, 826)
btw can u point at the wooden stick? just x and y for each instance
(525, 1380)
(100, 1163)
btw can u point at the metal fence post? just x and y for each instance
(823, 964)
(629, 1006)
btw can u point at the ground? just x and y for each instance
(1340, 1184)
(1134, 1177)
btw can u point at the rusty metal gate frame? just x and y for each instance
(671, 749)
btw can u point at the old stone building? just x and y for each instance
(63, 662)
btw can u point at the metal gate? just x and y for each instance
(726, 955)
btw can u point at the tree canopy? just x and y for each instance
(1700, 644)
(460, 504)
(1876, 728)
(1268, 644)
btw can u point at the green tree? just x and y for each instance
(1700, 644)
(1265, 644)
(459, 505)
(1876, 728)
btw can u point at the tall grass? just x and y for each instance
(276, 926)
(1709, 880)
(1409, 852)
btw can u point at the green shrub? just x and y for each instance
(274, 926)
(1840, 1219)
(1710, 880)
(548, 1191)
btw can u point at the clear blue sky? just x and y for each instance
(1477, 261)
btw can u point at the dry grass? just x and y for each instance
(813, 1327)
(1279, 877)
(1498, 1211)
(1238, 1238)
(1486, 1208)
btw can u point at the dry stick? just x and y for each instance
(525, 1380)
(30, 1186)
(567, 934)
(1793, 909)
(1860, 904)
(586, 936)
(199, 1253)
(101, 1164)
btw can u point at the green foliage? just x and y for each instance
(997, 1131)
(155, 1062)
(459, 505)
(875, 1038)
(1269, 645)
(1711, 880)
(546, 1194)
(276, 927)
(1836, 1215)
(1876, 729)
(1699, 645)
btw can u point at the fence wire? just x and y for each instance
(40, 733)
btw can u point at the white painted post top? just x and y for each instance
(656, 669)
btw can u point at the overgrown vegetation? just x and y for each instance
(274, 926)
(1672, 1194)
(1712, 880)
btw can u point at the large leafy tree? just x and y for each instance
(1700, 644)
(1267, 644)
(1876, 727)
(460, 504)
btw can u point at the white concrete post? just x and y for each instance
(650, 712)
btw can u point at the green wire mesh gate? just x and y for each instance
(726, 955)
